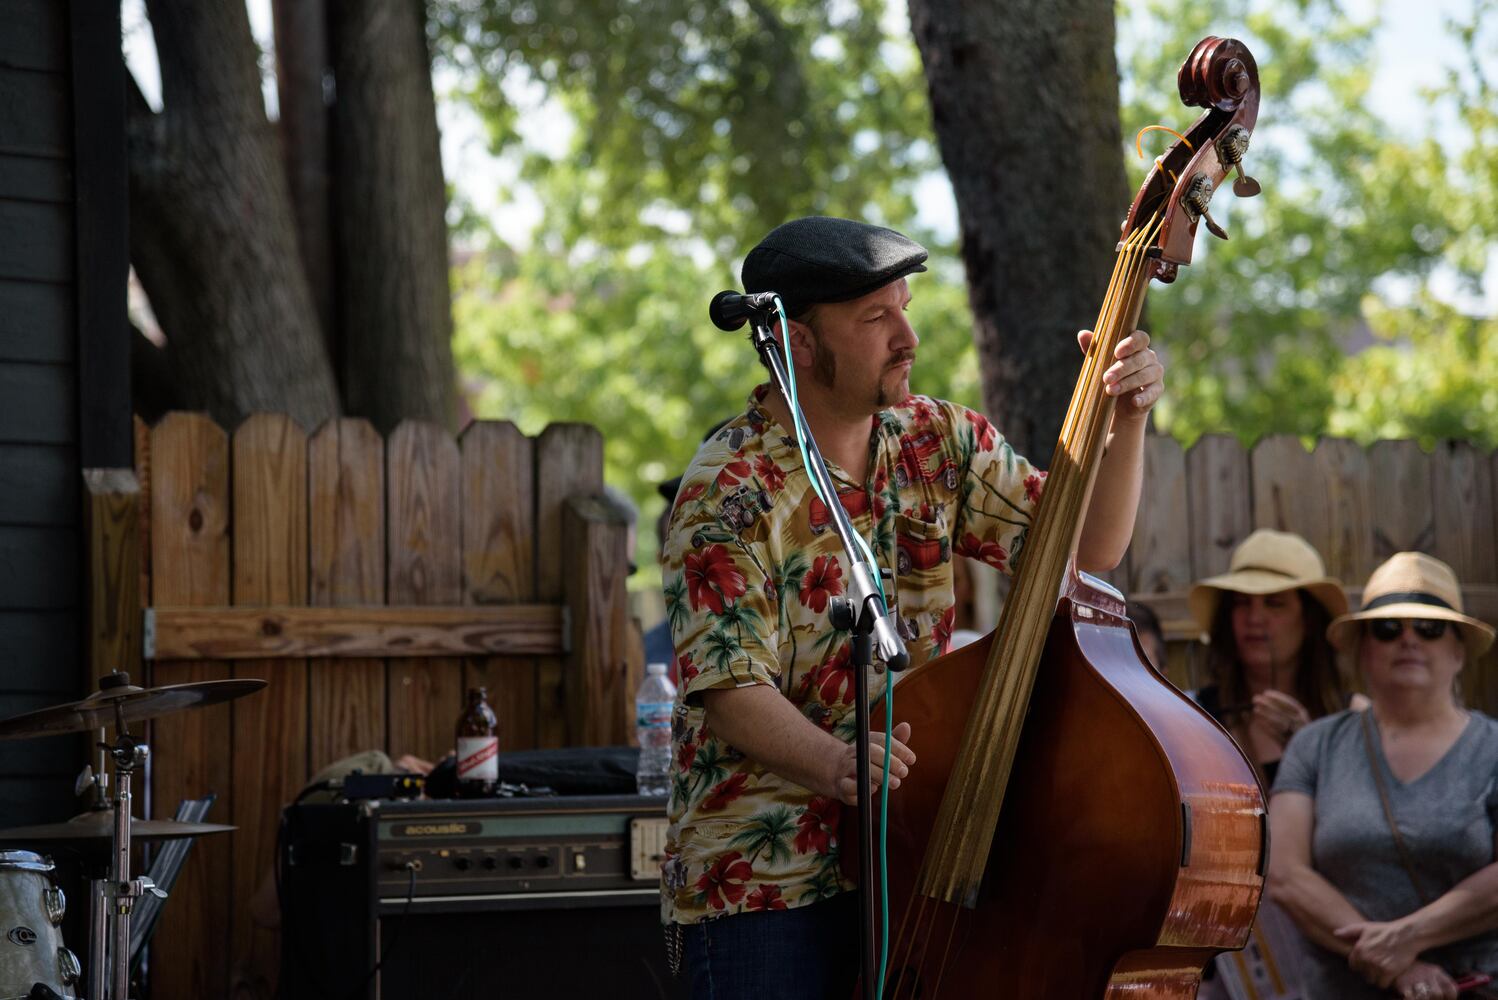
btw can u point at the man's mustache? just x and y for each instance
(901, 358)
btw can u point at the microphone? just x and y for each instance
(729, 310)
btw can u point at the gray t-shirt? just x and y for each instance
(1447, 817)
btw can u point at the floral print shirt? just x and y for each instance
(750, 566)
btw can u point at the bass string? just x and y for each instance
(946, 954)
(1087, 437)
(1123, 294)
(1090, 360)
(895, 967)
(1118, 285)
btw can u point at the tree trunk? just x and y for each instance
(1024, 97)
(301, 70)
(211, 230)
(390, 241)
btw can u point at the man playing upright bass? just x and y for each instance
(763, 727)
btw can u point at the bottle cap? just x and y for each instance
(655, 669)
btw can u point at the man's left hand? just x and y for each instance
(1136, 376)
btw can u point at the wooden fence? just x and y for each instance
(1356, 505)
(370, 581)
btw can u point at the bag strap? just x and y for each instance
(1383, 797)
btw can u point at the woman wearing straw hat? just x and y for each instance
(1383, 821)
(1272, 668)
(1273, 671)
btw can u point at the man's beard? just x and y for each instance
(886, 393)
(824, 371)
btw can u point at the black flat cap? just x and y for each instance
(822, 259)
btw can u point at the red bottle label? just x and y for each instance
(477, 758)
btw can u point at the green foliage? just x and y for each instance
(699, 125)
(1430, 377)
(678, 164)
(716, 119)
(1359, 223)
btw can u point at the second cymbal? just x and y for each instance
(98, 825)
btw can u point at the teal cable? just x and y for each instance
(801, 435)
(889, 682)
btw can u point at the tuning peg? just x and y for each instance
(1231, 149)
(1213, 227)
(1197, 197)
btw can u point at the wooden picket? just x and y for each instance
(192, 751)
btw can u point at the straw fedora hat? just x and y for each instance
(1268, 562)
(1413, 585)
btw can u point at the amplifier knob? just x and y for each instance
(491, 863)
(462, 864)
(516, 861)
(544, 861)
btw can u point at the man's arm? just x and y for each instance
(759, 721)
(1109, 524)
(1136, 382)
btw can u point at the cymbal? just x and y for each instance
(99, 825)
(102, 708)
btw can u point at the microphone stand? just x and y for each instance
(862, 614)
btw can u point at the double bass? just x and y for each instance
(1076, 828)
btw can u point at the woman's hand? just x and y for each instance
(1382, 951)
(1423, 981)
(1279, 714)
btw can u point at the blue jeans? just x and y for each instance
(808, 953)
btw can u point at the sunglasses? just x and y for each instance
(1389, 629)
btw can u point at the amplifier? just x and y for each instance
(522, 897)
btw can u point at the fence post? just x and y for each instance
(111, 507)
(596, 667)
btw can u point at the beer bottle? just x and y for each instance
(478, 747)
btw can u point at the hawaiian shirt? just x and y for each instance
(750, 565)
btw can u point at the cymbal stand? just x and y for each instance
(119, 894)
(95, 780)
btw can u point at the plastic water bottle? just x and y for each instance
(653, 704)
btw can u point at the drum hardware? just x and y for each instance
(31, 950)
(118, 702)
(112, 899)
(119, 894)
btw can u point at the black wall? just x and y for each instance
(43, 237)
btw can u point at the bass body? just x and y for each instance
(1132, 843)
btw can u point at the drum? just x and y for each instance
(31, 912)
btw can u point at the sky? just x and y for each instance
(1413, 51)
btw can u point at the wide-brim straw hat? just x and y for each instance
(1413, 585)
(1268, 562)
